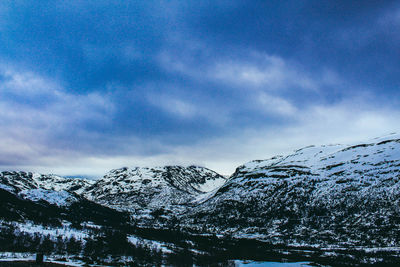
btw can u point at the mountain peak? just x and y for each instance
(140, 188)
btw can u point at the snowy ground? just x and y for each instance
(59, 259)
(7, 188)
(162, 246)
(59, 198)
(66, 231)
(270, 264)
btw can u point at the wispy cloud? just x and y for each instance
(174, 105)
(274, 105)
(29, 130)
(345, 122)
(317, 125)
(34, 111)
(256, 82)
(251, 70)
(90, 87)
(262, 71)
(190, 108)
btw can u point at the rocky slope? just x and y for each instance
(50, 188)
(144, 191)
(326, 196)
(335, 196)
(16, 181)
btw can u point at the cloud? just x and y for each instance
(190, 109)
(252, 70)
(53, 136)
(174, 105)
(253, 83)
(87, 88)
(317, 125)
(261, 71)
(36, 113)
(349, 121)
(275, 105)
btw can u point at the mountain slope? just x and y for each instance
(337, 199)
(16, 181)
(144, 190)
(318, 196)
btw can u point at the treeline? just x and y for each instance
(107, 246)
(14, 208)
(111, 247)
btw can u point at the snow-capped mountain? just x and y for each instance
(148, 189)
(321, 197)
(59, 198)
(16, 181)
(50, 188)
(334, 195)
(134, 189)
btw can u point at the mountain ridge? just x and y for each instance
(312, 194)
(326, 197)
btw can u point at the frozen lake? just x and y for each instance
(270, 264)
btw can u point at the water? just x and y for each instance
(270, 264)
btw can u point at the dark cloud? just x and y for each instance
(138, 78)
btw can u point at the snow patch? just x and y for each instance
(66, 232)
(151, 243)
(60, 198)
(7, 188)
(211, 185)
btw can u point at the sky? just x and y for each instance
(89, 86)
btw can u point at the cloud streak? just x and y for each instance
(35, 113)
(89, 87)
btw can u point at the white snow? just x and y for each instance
(65, 232)
(206, 196)
(16, 256)
(270, 264)
(139, 189)
(59, 198)
(7, 188)
(29, 257)
(57, 183)
(211, 185)
(325, 174)
(91, 225)
(27, 181)
(151, 243)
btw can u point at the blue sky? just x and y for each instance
(86, 86)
